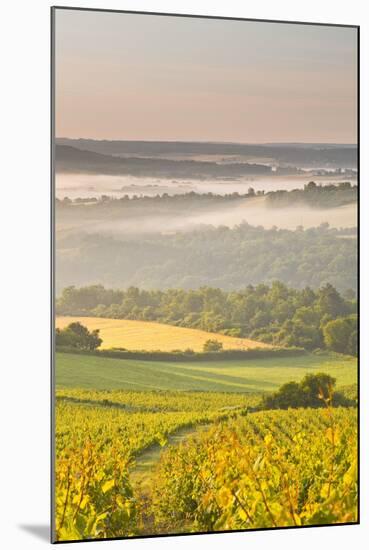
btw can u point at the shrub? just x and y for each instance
(314, 390)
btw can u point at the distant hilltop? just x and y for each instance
(70, 159)
(296, 154)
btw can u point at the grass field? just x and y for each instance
(143, 335)
(83, 371)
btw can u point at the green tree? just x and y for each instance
(331, 302)
(341, 335)
(288, 396)
(213, 345)
(314, 390)
(78, 336)
(317, 388)
(311, 186)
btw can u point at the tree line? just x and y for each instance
(319, 196)
(274, 314)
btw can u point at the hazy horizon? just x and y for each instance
(262, 143)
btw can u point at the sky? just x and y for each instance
(144, 77)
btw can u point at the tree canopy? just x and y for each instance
(274, 314)
(219, 257)
(341, 335)
(213, 345)
(76, 335)
(314, 390)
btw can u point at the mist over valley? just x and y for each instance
(194, 214)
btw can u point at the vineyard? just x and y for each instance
(279, 468)
(243, 470)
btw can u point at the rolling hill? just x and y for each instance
(142, 335)
(252, 375)
(318, 154)
(74, 161)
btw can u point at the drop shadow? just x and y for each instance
(39, 531)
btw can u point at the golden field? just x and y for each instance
(143, 335)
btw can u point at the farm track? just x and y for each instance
(146, 460)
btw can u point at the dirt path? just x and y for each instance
(147, 460)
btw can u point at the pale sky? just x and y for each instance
(144, 77)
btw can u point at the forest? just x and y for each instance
(275, 314)
(218, 257)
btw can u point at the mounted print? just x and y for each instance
(205, 282)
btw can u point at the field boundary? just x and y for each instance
(255, 353)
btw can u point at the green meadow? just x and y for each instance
(253, 375)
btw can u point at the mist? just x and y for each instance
(91, 185)
(255, 212)
(169, 231)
